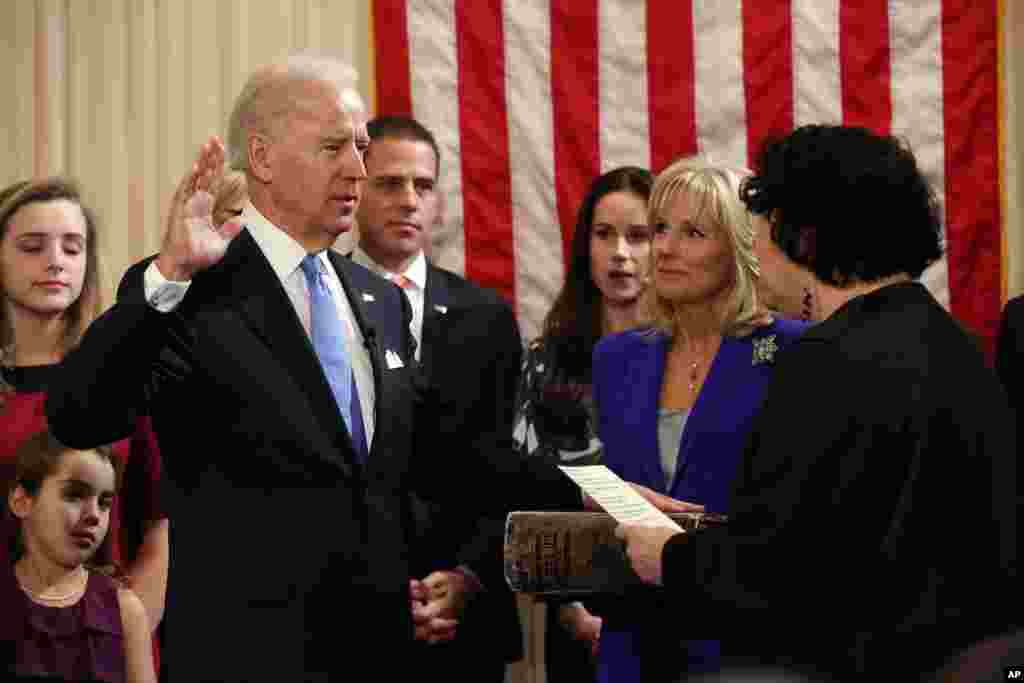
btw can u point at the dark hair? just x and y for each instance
(573, 325)
(88, 305)
(38, 458)
(847, 203)
(403, 128)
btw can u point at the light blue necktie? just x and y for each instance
(329, 344)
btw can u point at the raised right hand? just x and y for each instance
(192, 242)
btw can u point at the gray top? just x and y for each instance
(671, 424)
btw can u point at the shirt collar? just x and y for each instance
(415, 273)
(283, 252)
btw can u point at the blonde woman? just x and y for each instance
(676, 399)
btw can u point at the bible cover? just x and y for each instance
(565, 553)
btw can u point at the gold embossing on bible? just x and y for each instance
(564, 553)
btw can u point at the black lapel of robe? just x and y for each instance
(265, 306)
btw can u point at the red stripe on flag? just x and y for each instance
(767, 73)
(865, 66)
(970, 88)
(391, 42)
(483, 116)
(575, 108)
(670, 81)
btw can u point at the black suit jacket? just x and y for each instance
(1010, 353)
(873, 529)
(447, 534)
(289, 560)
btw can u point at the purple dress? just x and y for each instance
(81, 642)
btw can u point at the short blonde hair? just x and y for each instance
(715, 189)
(269, 95)
(231, 188)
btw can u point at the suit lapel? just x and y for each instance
(358, 302)
(269, 313)
(437, 299)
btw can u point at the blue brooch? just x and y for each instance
(764, 350)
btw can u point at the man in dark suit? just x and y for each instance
(281, 384)
(458, 555)
(280, 381)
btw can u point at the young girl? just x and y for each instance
(50, 293)
(76, 622)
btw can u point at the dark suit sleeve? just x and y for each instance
(1010, 353)
(486, 545)
(839, 503)
(477, 441)
(733, 573)
(128, 353)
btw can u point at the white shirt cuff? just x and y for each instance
(162, 294)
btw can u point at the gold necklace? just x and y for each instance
(47, 598)
(693, 376)
(700, 358)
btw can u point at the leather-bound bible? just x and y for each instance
(566, 553)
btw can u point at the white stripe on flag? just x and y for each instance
(817, 96)
(718, 79)
(435, 104)
(915, 40)
(622, 86)
(538, 236)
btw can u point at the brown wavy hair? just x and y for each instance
(38, 458)
(88, 305)
(573, 325)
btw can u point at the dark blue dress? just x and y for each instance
(628, 371)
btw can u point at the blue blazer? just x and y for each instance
(628, 372)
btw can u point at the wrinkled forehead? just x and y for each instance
(301, 93)
(323, 101)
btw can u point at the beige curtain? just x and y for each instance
(121, 93)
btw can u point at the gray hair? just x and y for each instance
(715, 188)
(268, 95)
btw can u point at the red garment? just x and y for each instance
(138, 502)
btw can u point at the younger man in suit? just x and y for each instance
(459, 555)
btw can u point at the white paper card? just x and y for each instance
(616, 497)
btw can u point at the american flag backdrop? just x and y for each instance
(531, 99)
